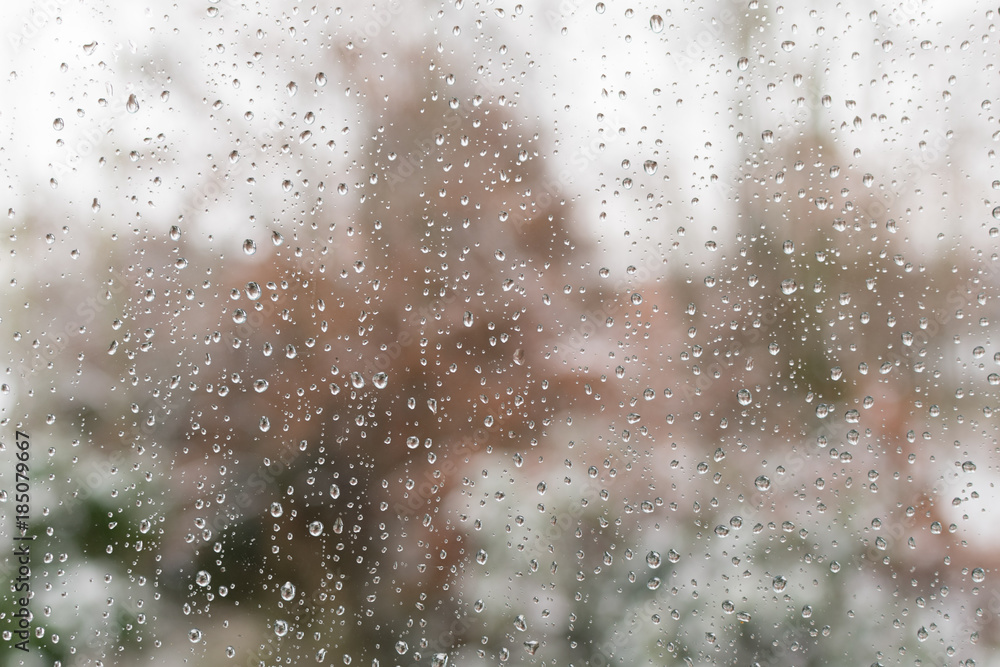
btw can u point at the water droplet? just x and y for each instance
(742, 64)
(788, 286)
(979, 575)
(762, 483)
(650, 166)
(402, 647)
(287, 591)
(380, 380)
(260, 386)
(481, 556)
(249, 247)
(520, 623)
(439, 660)
(281, 628)
(787, 45)
(320, 79)
(656, 23)
(265, 424)
(788, 247)
(316, 528)
(467, 319)
(653, 559)
(744, 396)
(969, 466)
(334, 491)
(132, 105)
(58, 124)
(779, 583)
(253, 290)
(194, 634)
(276, 509)
(239, 316)
(203, 578)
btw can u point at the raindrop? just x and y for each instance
(762, 483)
(203, 578)
(287, 591)
(316, 528)
(380, 380)
(194, 634)
(132, 105)
(788, 286)
(656, 23)
(260, 385)
(779, 583)
(249, 247)
(744, 396)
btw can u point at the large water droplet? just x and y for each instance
(744, 396)
(287, 591)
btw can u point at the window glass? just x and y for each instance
(430, 333)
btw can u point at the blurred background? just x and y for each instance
(478, 332)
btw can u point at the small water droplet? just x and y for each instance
(132, 105)
(249, 247)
